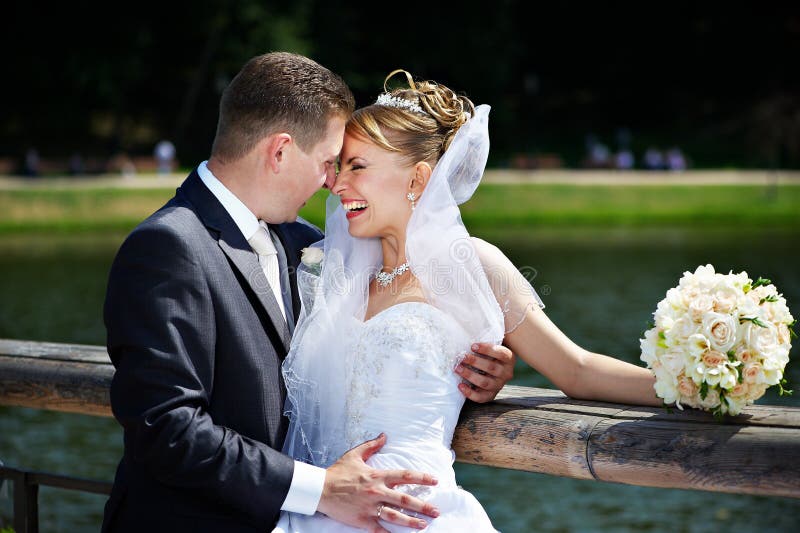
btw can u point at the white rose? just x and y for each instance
(681, 330)
(704, 272)
(777, 311)
(674, 360)
(675, 299)
(649, 346)
(783, 334)
(754, 392)
(711, 400)
(745, 354)
(665, 311)
(740, 390)
(746, 307)
(687, 387)
(735, 404)
(739, 280)
(753, 373)
(666, 385)
(762, 339)
(312, 256)
(701, 305)
(778, 358)
(725, 295)
(720, 330)
(773, 370)
(688, 294)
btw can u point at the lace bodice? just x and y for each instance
(401, 379)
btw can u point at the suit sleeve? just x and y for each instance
(161, 336)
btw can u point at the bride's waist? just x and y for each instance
(404, 431)
(434, 460)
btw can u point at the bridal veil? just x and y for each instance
(441, 255)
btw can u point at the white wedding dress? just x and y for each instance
(400, 381)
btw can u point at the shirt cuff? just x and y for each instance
(305, 490)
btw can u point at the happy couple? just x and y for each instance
(216, 330)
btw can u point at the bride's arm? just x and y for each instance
(577, 372)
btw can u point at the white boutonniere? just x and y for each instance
(312, 258)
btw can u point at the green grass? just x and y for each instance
(508, 206)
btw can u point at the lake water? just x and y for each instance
(600, 287)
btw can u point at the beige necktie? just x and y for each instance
(268, 258)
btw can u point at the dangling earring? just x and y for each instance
(413, 199)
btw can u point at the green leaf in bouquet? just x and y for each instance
(719, 411)
(703, 390)
(771, 298)
(781, 390)
(754, 319)
(662, 340)
(731, 356)
(792, 334)
(761, 281)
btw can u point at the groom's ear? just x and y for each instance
(276, 150)
(422, 174)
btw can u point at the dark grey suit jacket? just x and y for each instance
(197, 340)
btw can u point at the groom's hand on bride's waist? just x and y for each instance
(360, 495)
(486, 371)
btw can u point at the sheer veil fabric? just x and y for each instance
(334, 293)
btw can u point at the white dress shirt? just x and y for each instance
(307, 480)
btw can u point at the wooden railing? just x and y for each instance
(530, 429)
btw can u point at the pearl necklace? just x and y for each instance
(385, 278)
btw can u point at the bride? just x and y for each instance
(395, 293)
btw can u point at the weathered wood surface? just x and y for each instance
(58, 377)
(530, 429)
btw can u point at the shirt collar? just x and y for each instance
(245, 220)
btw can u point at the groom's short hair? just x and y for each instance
(278, 92)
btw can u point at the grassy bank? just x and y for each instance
(493, 206)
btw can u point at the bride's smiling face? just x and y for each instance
(373, 184)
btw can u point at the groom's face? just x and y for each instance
(313, 169)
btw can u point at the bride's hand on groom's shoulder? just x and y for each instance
(359, 495)
(486, 371)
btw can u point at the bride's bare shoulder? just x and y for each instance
(490, 255)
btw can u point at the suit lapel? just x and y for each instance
(237, 249)
(246, 262)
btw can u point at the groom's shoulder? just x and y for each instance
(177, 216)
(173, 223)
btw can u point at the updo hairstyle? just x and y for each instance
(414, 136)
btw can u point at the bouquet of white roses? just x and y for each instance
(718, 341)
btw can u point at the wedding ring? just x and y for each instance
(380, 509)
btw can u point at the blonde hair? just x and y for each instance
(414, 136)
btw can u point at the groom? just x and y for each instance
(200, 306)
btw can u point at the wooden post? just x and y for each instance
(536, 430)
(541, 430)
(57, 377)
